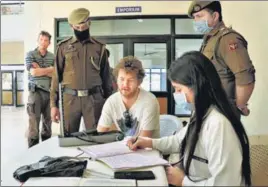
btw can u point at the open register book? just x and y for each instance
(76, 181)
(118, 156)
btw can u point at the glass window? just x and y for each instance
(130, 27)
(163, 79)
(121, 27)
(7, 81)
(185, 26)
(64, 29)
(185, 45)
(7, 98)
(154, 59)
(20, 82)
(20, 97)
(116, 53)
(156, 82)
(156, 70)
(182, 46)
(146, 81)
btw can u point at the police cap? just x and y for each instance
(78, 16)
(197, 5)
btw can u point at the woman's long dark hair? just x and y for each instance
(196, 71)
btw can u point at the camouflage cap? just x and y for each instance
(196, 6)
(78, 16)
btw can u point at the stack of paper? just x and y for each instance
(106, 150)
(119, 157)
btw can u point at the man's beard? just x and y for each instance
(129, 95)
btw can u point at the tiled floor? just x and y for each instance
(13, 133)
(13, 126)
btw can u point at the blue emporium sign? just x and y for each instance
(127, 9)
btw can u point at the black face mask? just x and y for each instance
(81, 35)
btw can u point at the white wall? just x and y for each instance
(8, 49)
(244, 16)
(12, 24)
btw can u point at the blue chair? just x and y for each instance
(169, 125)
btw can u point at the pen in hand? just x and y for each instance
(137, 137)
(135, 140)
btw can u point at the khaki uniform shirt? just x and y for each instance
(80, 67)
(227, 50)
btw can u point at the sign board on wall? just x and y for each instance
(128, 9)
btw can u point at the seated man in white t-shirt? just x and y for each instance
(131, 109)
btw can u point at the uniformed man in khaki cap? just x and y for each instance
(227, 49)
(82, 67)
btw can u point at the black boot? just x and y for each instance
(43, 137)
(32, 142)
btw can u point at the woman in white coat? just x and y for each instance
(213, 147)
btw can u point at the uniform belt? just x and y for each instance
(82, 93)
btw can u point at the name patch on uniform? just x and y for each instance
(127, 9)
(200, 159)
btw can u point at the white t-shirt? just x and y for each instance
(144, 114)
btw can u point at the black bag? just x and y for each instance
(52, 167)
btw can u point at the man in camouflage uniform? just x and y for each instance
(82, 67)
(227, 50)
(39, 64)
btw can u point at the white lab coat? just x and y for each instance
(218, 144)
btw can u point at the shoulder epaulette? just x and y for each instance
(97, 41)
(226, 30)
(64, 40)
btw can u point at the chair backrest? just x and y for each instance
(169, 125)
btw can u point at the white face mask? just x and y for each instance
(181, 101)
